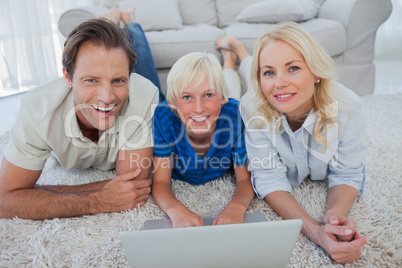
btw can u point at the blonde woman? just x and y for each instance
(301, 124)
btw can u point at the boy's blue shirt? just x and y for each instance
(228, 146)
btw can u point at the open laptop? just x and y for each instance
(167, 223)
(253, 244)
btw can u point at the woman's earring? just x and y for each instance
(318, 81)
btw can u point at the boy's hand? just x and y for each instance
(229, 216)
(186, 218)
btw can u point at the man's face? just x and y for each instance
(100, 86)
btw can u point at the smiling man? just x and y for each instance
(98, 116)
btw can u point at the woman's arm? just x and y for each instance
(164, 197)
(244, 195)
(323, 235)
(339, 201)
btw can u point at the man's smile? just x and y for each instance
(104, 109)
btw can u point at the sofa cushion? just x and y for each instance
(329, 33)
(198, 11)
(274, 11)
(155, 15)
(228, 10)
(169, 45)
(319, 2)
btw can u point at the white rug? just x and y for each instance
(93, 241)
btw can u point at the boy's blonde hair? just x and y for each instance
(319, 63)
(192, 70)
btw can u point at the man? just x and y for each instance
(99, 116)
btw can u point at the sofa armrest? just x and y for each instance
(361, 19)
(74, 17)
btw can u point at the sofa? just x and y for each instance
(345, 28)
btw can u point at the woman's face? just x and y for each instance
(286, 80)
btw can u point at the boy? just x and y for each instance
(198, 134)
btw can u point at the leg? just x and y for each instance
(233, 81)
(231, 43)
(229, 72)
(245, 71)
(112, 14)
(144, 65)
(234, 45)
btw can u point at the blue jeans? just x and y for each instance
(144, 65)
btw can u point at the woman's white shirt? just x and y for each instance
(279, 160)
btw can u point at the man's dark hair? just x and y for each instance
(100, 32)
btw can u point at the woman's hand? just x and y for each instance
(349, 224)
(341, 251)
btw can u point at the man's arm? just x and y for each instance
(93, 186)
(126, 161)
(19, 198)
(132, 159)
(339, 201)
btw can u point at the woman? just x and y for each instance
(301, 124)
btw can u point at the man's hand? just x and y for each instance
(125, 192)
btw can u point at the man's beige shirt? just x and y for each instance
(47, 124)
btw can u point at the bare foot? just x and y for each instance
(231, 43)
(112, 14)
(128, 15)
(229, 59)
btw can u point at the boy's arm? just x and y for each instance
(164, 197)
(244, 195)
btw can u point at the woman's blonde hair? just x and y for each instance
(194, 69)
(319, 63)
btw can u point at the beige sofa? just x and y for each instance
(345, 28)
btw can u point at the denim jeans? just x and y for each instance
(144, 65)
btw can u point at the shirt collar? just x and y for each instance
(308, 124)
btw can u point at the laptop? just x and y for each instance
(167, 223)
(251, 244)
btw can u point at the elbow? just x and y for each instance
(273, 197)
(4, 209)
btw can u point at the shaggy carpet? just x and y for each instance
(93, 241)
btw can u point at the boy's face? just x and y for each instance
(199, 108)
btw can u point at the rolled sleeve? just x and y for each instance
(26, 149)
(239, 153)
(137, 124)
(346, 167)
(161, 147)
(268, 173)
